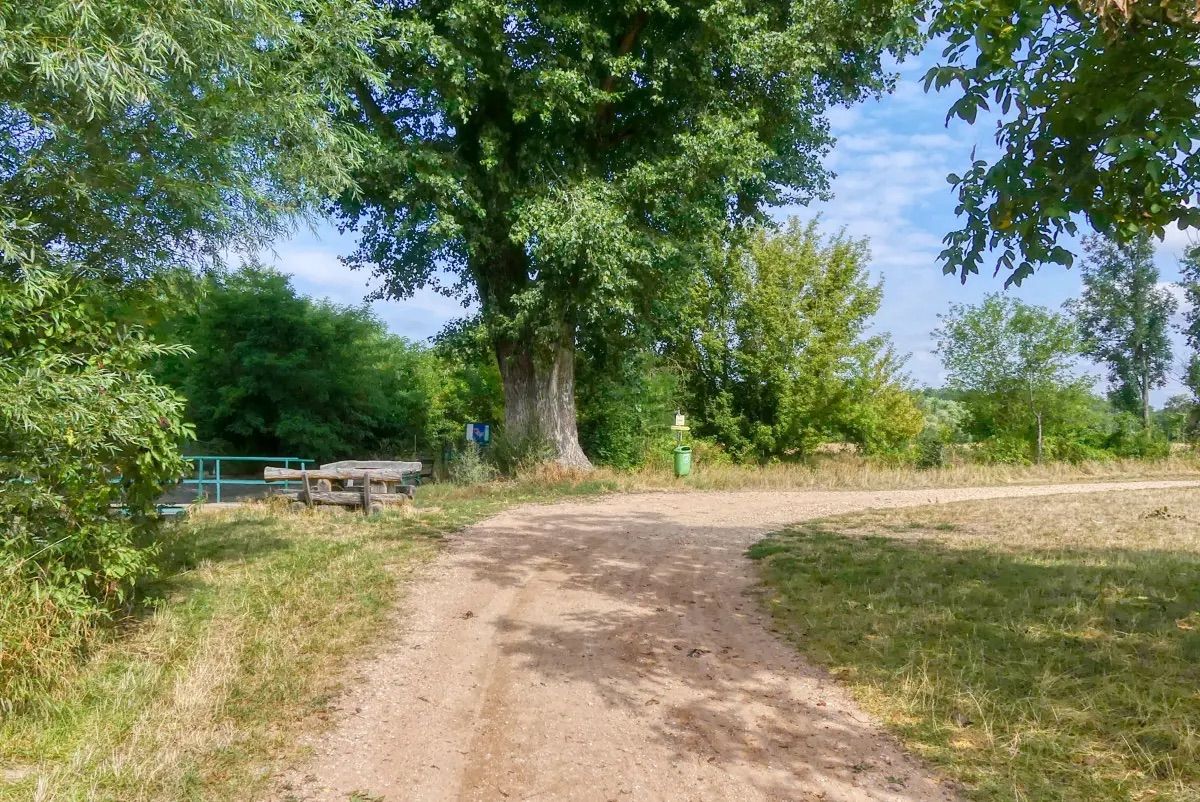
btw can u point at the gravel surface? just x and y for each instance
(615, 650)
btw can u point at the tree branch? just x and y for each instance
(375, 114)
(624, 47)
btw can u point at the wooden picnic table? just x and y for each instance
(369, 484)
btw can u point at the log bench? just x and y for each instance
(368, 485)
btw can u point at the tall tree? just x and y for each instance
(1005, 355)
(1098, 107)
(561, 162)
(1125, 316)
(135, 136)
(1189, 271)
(774, 346)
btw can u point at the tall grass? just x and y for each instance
(237, 647)
(40, 642)
(850, 472)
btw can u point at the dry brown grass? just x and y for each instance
(1140, 520)
(1034, 649)
(257, 613)
(849, 472)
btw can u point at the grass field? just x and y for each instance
(256, 615)
(240, 645)
(848, 472)
(1041, 649)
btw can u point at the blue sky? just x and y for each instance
(891, 162)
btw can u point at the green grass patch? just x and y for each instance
(238, 648)
(1023, 662)
(1025, 671)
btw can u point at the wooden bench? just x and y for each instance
(368, 484)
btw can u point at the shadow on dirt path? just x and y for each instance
(614, 650)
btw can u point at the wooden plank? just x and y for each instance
(346, 498)
(341, 474)
(408, 466)
(366, 493)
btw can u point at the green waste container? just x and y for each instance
(683, 460)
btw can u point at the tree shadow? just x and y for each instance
(662, 623)
(182, 548)
(1052, 673)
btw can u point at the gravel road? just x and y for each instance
(614, 650)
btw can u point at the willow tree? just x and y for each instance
(559, 162)
(136, 137)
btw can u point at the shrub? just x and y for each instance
(470, 468)
(1003, 451)
(626, 403)
(1129, 438)
(85, 433)
(706, 451)
(1073, 449)
(931, 448)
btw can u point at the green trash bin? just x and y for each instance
(683, 460)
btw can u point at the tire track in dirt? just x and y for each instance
(615, 650)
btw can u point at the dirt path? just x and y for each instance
(613, 650)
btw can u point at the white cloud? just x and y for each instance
(315, 266)
(312, 261)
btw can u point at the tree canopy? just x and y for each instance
(1098, 113)
(562, 162)
(774, 348)
(1125, 316)
(134, 135)
(273, 372)
(1014, 361)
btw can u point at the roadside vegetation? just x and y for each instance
(1030, 650)
(596, 183)
(236, 648)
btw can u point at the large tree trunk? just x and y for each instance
(539, 396)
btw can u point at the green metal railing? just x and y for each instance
(214, 479)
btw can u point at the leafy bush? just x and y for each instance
(930, 450)
(1074, 449)
(706, 452)
(85, 432)
(274, 372)
(626, 409)
(1129, 438)
(468, 467)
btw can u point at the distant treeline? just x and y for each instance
(767, 351)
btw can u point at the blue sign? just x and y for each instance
(479, 433)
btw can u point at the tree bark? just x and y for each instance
(539, 396)
(1145, 394)
(1039, 438)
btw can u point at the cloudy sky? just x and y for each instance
(891, 162)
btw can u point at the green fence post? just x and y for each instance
(218, 477)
